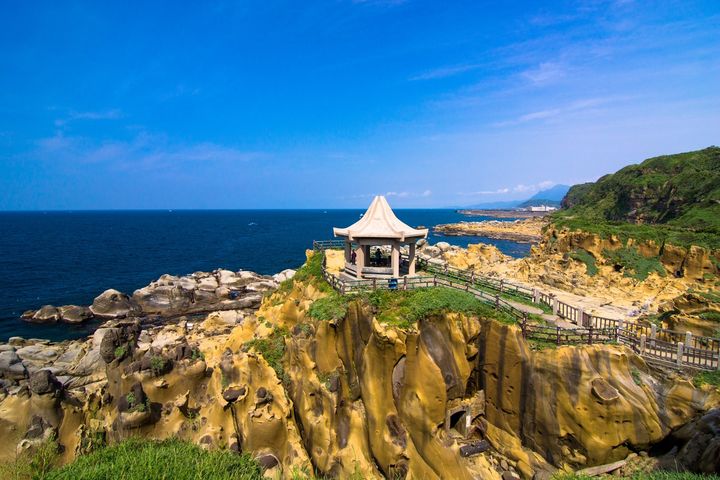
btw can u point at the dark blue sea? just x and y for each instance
(63, 258)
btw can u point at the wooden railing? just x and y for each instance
(328, 244)
(652, 343)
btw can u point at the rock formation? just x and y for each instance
(452, 396)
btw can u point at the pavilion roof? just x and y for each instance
(379, 221)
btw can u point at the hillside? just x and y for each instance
(675, 196)
(552, 197)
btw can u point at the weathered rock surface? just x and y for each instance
(112, 304)
(452, 397)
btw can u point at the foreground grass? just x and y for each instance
(707, 378)
(137, 459)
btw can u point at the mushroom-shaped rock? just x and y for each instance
(74, 314)
(46, 314)
(43, 382)
(112, 304)
(262, 396)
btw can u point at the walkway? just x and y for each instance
(573, 325)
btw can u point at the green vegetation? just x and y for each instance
(197, 354)
(311, 273)
(158, 364)
(332, 307)
(636, 376)
(134, 405)
(120, 352)
(33, 464)
(585, 257)
(681, 191)
(707, 378)
(272, 349)
(633, 264)
(145, 459)
(404, 308)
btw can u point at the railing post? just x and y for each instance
(590, 332)
(581, 317)
(643, 340)
(679, 353)
(535, 295)
(557, 335)
(653, 332)
(688, 338)
(434, 280)
(497, 302)
(555, 305)
(501, 285)
(374, 283)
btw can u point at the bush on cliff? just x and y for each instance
(405, 307)
(332, 307)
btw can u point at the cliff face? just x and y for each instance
(348, 396)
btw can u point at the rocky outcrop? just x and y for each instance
(113, 304)
(49, 314)
(453, 396)
(521, 231)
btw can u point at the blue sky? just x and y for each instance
(323, 104)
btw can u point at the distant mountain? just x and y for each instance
(551, 197)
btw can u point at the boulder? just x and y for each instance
(284, 275)
(11, 366)
(443, 246)
(113, 304)
(43, 382)
(74, 314)
(232, 394)
(46, 314)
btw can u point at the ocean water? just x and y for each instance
(62, 258)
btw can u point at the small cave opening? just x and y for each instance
(617, 267)
(456, 417)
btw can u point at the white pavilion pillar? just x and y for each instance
(411, 259)
(359, 260)
(395, 259)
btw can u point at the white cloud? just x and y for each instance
(544, 73)
(520, 188)
(576, 106)
(144, 152)
(445, 72)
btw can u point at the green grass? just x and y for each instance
(332, 307)
(585, 257)
(169, 459)
(311, 272)
(121, 351)
(405, 308)
(272, 349)
(634, 264)
(711, 316)
(707, 378)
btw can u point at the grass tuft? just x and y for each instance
(137, 459)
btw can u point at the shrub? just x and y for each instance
(33, 464)
(158, 364)
(272, 349)
(120, 352)
(404, 308)
(633, 263)
(332, 307)
(585, 257)
(707, 378)
(137, 459)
